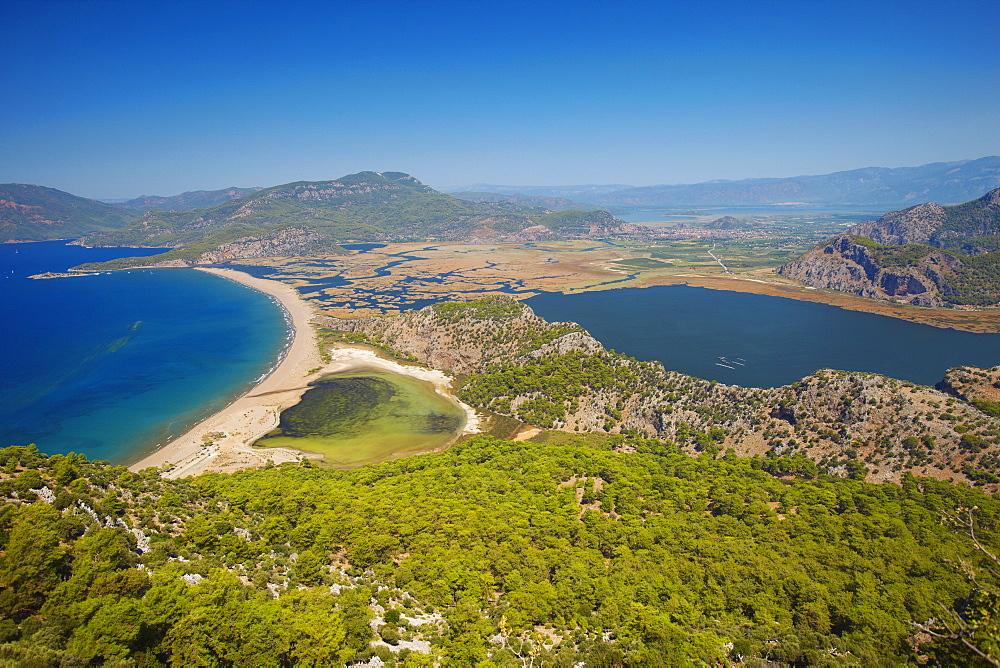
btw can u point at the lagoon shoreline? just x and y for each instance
(223, 441)
(977, 321)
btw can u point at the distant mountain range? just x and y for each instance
(588, 193)
(533, 201)
(313, 218)
(395, 206)
(195, 199)
(926, 255)
(944, 182)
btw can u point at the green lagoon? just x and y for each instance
(365, 416)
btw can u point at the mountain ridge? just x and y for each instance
(926, 255)
(192, 199)
(366, 206)
(948, 182)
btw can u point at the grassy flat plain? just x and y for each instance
(403, 276)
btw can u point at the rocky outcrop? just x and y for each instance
(915, 225)
(972, 383)
(848, 266)
(917, 256)
(467, 341)
(281, 243)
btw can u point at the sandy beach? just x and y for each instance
(223, 441)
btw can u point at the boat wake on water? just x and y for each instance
(728, 363)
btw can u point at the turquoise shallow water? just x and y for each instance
(113, 365)
(761, 341)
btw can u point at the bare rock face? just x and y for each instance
(914, 256)
(915, 225)
(847, 266)
(572, 342)
(281, 243)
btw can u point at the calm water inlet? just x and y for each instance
(761, 341)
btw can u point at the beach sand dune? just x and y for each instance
(222, 442)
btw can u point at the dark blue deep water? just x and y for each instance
(113, 365)
(769, 341)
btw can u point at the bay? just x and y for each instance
(113, 365)
(762, 341)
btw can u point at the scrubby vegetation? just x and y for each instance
(492, 551)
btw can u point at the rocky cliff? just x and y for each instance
(846, 265)
(926, 255)
(554, 375)
(915, 225)
(972, 383)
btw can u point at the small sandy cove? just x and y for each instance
(223, 441)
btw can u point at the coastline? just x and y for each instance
(222, 442)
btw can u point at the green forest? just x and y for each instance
(604, 549)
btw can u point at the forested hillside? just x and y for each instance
(368, 206)
(493, 551)
(36, 213)
(194, 199)
(666, 521)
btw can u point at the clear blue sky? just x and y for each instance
(118, 99)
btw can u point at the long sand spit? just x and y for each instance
(223, 441)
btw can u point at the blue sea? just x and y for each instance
(761, 341)
(114, 365)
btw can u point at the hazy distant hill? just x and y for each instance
(37, 213)
(586, 193)
(926, 255)
(944, 182)
(313, 217)
(194, 199)
(533, 201)
(730, 223)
